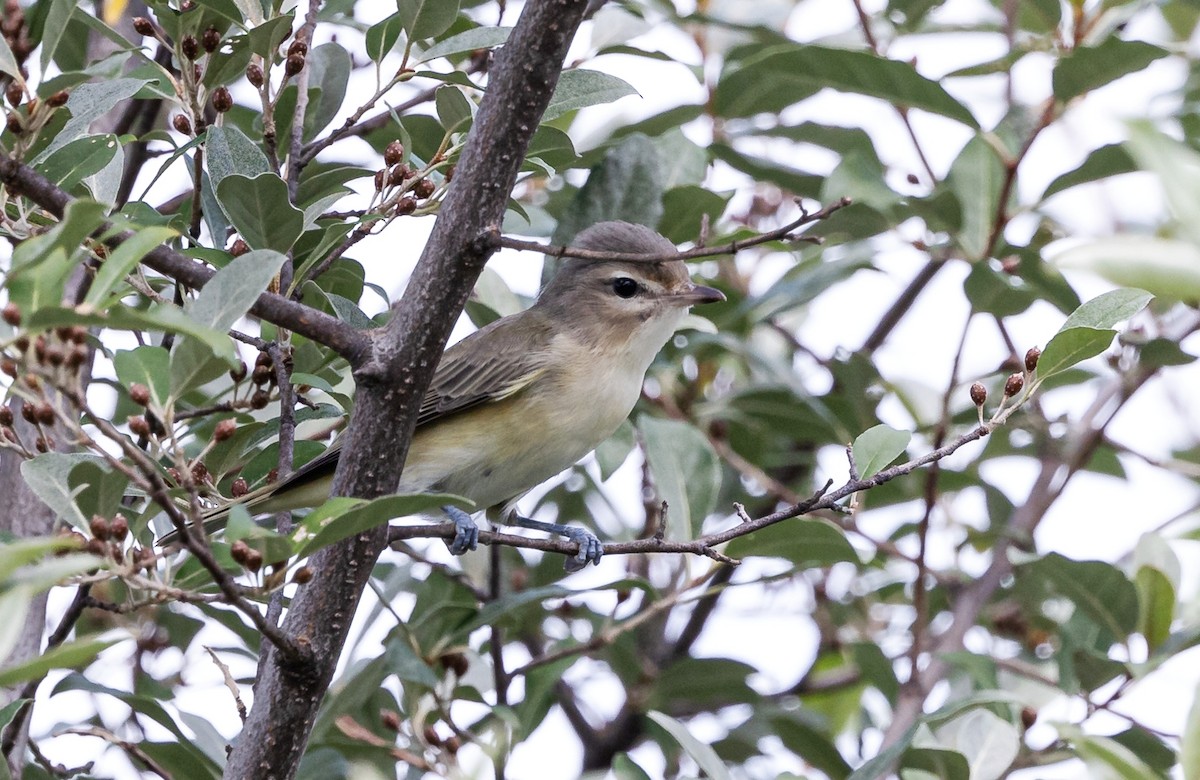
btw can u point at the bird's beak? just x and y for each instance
(697, 294)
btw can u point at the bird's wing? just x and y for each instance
(497, 368)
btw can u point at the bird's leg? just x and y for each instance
(466, 537)
(590, 547)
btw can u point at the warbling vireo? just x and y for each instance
(530, 394)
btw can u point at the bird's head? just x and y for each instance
(622, 300)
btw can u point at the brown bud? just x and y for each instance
(139, 394)
(9, 434)
(455, 662)
(1013, 385)
(254, 74)
(406, 206)
(393, 154)
(222, 101)
(58, 99)
(254, 560)
(293, 64)
(1031, 359)
(978, 394)
(302, 575)
(263, 358)
(9, 366)
(63, 332)
(31, 381)
(224, 430)
(144, 556)
(261, 375)
(13, 123)
(239, 487)
(397, 174)
(190, 47)
(95, 547)
(182, 124)
(449, 174)
(259, 400)
(239, 247)
(44, 413)
(238, 372)
(1029, 716)
(78, 334)
(143, 26)
(6, 416)
(423, 188)
(11, 314)
(1010, 265)
(44, 443)
(200, 473)
(39, 348)
(380, 179)
(14, 94)
(55, 356)
(912, 179)
(99, 528)
(138, 425)
(28, 414)
(432, 737)
(240, 552)
(452, 744)
(173, 473)
(211, 39)
(119, 527)
(273, 476)
(298, 47)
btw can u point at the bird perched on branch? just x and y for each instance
(530, 394)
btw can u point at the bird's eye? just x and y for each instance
(625, 287)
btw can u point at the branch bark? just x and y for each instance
(395, 376)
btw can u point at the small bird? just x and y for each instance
(528, 395)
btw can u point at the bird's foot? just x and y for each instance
(466, 535)
(590, 546)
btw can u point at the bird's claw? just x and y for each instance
(590, 549)
(466, 534)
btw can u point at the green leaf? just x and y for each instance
(1107, 310)
(686, 471)
(87, 103)
(22, 552)
(259, 208)
(68, 655)
(702, 753)
(329, 66)
(1189, 740)
(1164, 267)
(122, 260)
(8, 63)
(1156, 605)
(469, 40)
(885, 760)
(79, 159)
(1090, 67)
(382, 36)
(684, 210)
(806, 542)
(231, 292)
(1099, 590)
(147, 365)
(942, 764)
(1105, 757)
(782, 75)
(319, 530)
(165, 318)
(1177, 167)
(453, 108)
(511, 602)
(812, 744)
(989, 743)
(579, 88)
(427, 18)
(876, 447)
(1102, 163)
(625, 185)
(54, 28)
(46, 475)
(230, 151)
(976, 178)
(1072, 346)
